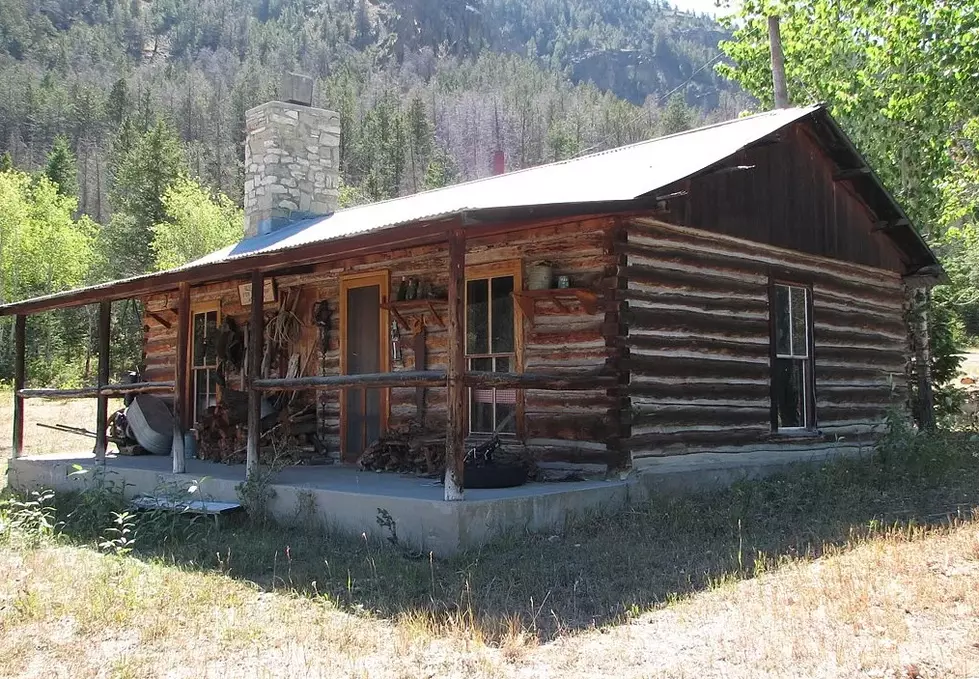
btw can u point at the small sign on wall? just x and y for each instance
(245, 292)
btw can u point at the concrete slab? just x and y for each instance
(354, 500)
(346, 498)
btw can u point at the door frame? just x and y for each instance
(363, 280)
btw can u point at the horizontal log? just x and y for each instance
(110, 390)
(86, 392)
(586, 381)
(414, 378)
(135, 388)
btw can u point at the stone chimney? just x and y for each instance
(292, 159)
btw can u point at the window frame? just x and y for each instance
(809, 361)
(197, 309)
(502, 269)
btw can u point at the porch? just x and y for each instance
(346, 497)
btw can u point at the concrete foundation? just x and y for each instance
(353, 500)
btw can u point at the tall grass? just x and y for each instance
(595, 572)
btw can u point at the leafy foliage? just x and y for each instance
(196, 224)
(899, 76)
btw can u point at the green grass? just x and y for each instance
(597, 571)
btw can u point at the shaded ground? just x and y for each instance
(861, 568)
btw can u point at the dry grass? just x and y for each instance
(79, 412)
(902, 605)
(861, 568)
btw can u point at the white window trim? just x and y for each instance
(806, 359)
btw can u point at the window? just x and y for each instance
(204, 360)
(792, 381)
(490, 347)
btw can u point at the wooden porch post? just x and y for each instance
(256, 335)
(102, 409)
(455, 437)
(180, 377)
(20, 374)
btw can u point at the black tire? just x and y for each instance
(495, 476)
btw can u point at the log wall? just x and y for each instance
(699, 343)
(555, 426)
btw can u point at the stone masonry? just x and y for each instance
(292, 165)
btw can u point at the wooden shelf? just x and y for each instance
(404, 309)
(527, 300)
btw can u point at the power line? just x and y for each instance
(643, 111)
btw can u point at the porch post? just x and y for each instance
(102, 410)
(180, 377)
(455, 449)
(256, 335)
(20, 373)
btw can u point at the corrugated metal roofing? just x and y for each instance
(612, 177)
(619, 174)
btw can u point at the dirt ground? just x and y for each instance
(78, 412)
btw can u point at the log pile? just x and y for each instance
(409, 449)
(288, 437)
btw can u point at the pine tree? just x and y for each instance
(677, 117)
(62, 167)
(6, 162)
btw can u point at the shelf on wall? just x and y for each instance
(406, 308)
(527, 300)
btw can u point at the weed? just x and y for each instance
(29, 521)
(120, 537)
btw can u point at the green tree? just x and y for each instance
(897, 76)
(144, 174)
(6, 162)
(196, 224)
(62, 167)
(677, 116)
(43, 249)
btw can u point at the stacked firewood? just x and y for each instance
(220, 435)
(288, 437)
(408, 449)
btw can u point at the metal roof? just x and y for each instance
(619, 174)
(607, 180)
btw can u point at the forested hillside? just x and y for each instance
(121, 121)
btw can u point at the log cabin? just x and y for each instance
(736, 288)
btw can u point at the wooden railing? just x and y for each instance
(108, 391)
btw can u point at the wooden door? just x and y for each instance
(364, 349)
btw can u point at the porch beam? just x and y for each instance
(544, 382)
(437, 378)
(256, 335)
(180, 380)
(102, 408)
(20, 374)
(408, 378)
(109, 390)
(455, 449)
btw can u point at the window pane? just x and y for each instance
(481, 413)
(506, 413)
(477, 317)
(211, 335)
(481, 364)
(783, 338)
(800, 343)
(502, 289)
(199, 325)
(503, 364)
(790, 392)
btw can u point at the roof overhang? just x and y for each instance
(294, 259)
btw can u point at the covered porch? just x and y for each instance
(350, 497)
